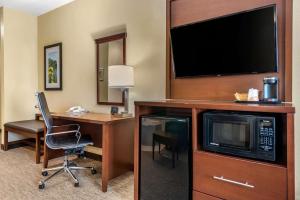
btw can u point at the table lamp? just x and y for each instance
(121, 76)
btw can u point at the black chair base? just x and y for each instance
(66, 167)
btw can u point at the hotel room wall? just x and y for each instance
(77, 24)
(18, 66)
(1, 64)
(296, 89)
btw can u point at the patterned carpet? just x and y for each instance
(19, 177)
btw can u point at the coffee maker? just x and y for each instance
(270, 93)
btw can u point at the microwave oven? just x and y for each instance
(240, 134)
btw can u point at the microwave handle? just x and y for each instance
(221, 178)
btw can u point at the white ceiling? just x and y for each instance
(35, 7)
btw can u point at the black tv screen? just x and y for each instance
(242, 43)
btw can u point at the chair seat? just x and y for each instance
(67, 142)
(31, 126)
(165, 137)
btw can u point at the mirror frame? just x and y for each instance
(98, 41)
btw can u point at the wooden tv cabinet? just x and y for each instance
(269, 180)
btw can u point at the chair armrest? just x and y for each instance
(63, 132)
(64, 128)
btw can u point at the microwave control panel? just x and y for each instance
(266, 136)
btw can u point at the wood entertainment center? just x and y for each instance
(218, 176)
(181, 12)
(269, 180)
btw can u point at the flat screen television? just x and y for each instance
(242, 43)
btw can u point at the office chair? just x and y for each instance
(65, 137)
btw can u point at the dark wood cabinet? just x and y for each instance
(238, 179)
(217, 176)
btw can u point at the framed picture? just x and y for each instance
(53, 66)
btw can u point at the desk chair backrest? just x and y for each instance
(50, 140)
(43, 106)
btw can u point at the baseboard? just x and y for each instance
(2, 147)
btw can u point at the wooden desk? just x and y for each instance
(113, 134)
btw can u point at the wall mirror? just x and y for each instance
(110, 50)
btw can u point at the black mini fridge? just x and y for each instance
(165, 158)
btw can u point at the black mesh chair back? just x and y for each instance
(44, 110)
(50, 140)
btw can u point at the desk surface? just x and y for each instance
(219, 105)
(98, 118)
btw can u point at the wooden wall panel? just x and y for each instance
(222, 88)
(216, 88)
(288, 49)
(168, 49)
(189, 11)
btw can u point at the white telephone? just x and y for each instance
(77, 109)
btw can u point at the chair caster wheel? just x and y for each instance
(41, 185)
(76, 184)
(45, 173)
(93, 171)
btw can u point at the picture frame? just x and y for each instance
(53, 67)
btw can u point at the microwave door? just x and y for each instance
(232, 135)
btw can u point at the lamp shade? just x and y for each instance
(120, 76)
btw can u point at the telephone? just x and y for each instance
(77, 109)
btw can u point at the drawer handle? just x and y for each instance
(221, 178)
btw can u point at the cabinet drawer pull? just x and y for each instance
(221, 178)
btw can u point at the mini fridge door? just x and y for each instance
(165, 158)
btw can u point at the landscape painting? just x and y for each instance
(53, 67)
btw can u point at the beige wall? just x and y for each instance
(18, 66)
(77, 24)
(296, 89)
(1, 64)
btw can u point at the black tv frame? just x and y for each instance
(238, 73)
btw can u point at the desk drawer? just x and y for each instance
(238, 179)
(202, 196)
